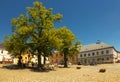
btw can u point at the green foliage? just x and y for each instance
(67, 47)
(75, 49)
(35, 31)
(14, 44)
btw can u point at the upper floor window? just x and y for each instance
(107, 58)
(25, 57)
(97, 53)
(88, 54)
(102, 52)
(107, 51)
(81, 55)
(85, 55)
(93, 53)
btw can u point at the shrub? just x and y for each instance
(78, 67)
(102, 70)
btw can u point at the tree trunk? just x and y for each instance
(39, 61)
(28, 58)
(44, 59)
(65, 60)
(19, 61)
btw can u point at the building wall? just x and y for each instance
(118, 56)
(56, 57)
(25, 58)
(5, 56)
(106, 55)
(28, 58)
(115, 55)
(59, 58)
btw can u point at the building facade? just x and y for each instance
(5, 57)
(98, 53)
(58, 58)
(28, 58)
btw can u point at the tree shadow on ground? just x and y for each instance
(36, 69)
(32, 69)
(12, 67)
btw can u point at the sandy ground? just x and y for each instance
(85, 74)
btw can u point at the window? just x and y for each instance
(93, 53)
(89, 54)
(25, 57)
(107, 58)
(98, 59)
(85, 55)
(102, 52)
(107, 51)
(81, 55)
(97, 53)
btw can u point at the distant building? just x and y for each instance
(5, 57)
(57, 57)
(29, 58)
(98, 53)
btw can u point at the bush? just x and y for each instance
(78, 67)
(102, 70)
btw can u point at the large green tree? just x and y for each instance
(38, 33)
(15, 44)
(69, 46)
(36, 28)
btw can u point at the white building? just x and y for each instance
(4, 55)
(97, 53)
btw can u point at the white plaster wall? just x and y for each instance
(111, 51)
(4, 54)
(115, 53)
(42, 59)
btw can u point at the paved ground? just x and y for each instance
(85, 74)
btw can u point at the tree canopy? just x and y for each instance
(69, 46)
(35, 30)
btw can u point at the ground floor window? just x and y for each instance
(107, 58)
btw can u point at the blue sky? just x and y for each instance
(89, 20)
